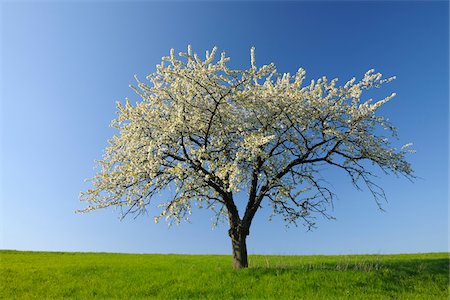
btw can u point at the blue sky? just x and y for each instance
(64, 65)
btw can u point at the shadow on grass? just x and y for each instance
(406, 267)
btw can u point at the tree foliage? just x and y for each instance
(209, 132)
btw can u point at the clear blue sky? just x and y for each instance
(65, 65)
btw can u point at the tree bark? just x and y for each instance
(238, 242)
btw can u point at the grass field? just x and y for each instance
(41, 275)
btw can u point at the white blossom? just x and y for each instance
(212, 131)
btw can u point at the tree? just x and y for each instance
(209, 132)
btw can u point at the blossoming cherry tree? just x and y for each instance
(210, 132)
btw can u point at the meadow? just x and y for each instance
(50, 275)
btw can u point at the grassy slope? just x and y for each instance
(85, 275)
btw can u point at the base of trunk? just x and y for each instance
(239, 251)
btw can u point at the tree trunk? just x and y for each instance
(239, 249)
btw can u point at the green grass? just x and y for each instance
(43, 275)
